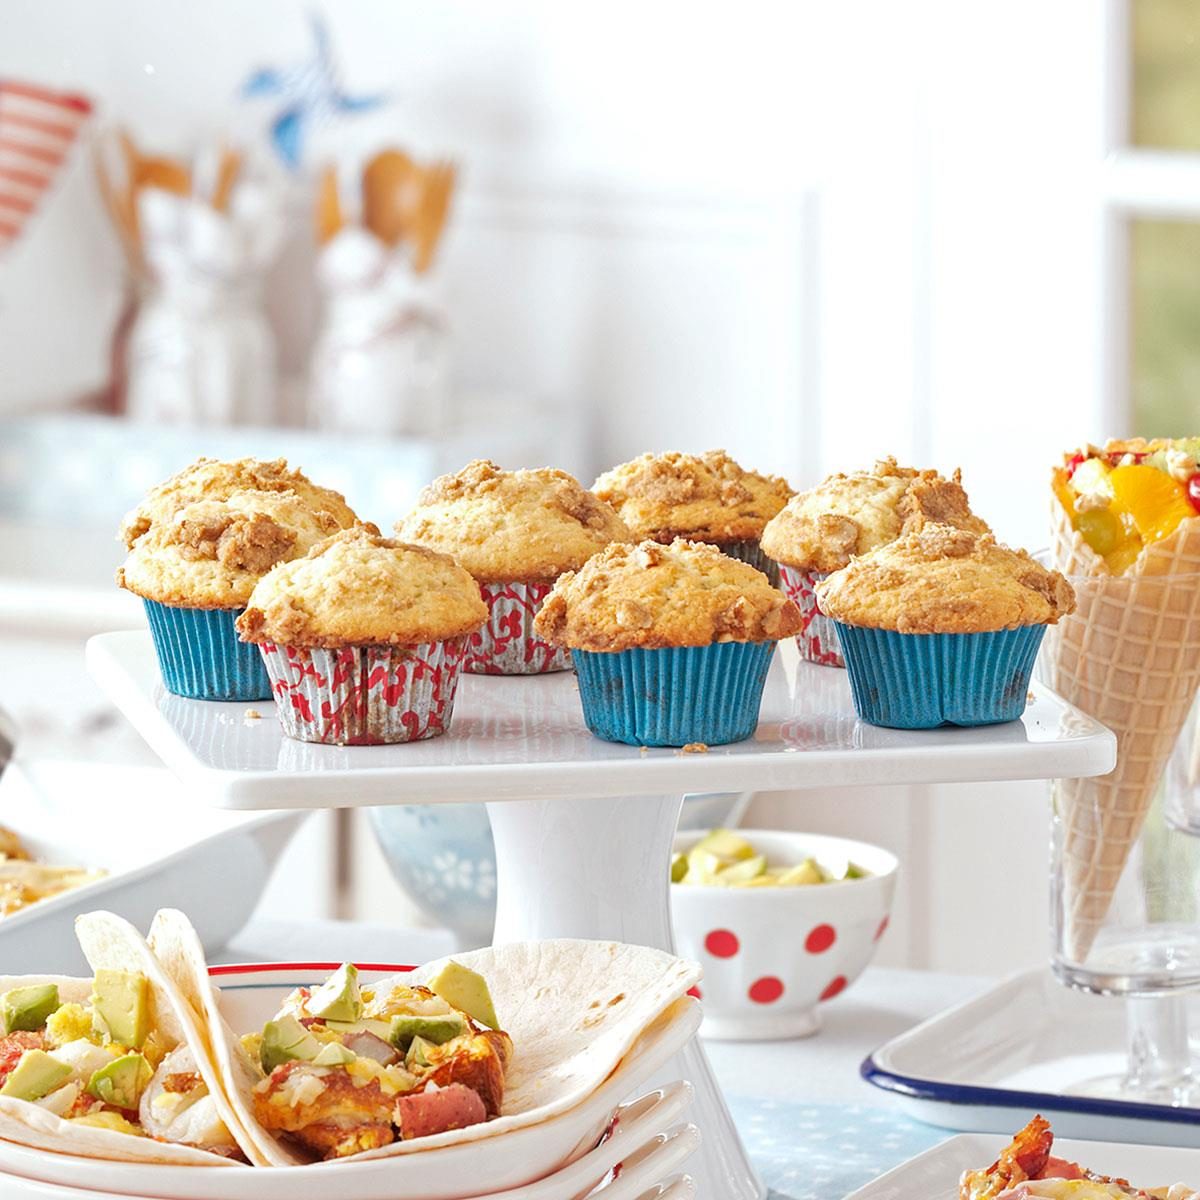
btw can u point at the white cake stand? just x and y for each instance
(583, 828)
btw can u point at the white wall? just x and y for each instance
(812, 233)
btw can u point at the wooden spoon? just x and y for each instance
(385, 184)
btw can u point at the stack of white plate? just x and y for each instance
(607, 1146)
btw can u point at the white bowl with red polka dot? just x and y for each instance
(773, 956)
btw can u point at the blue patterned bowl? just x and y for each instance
(443, 857)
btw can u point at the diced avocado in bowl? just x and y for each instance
(723, 858)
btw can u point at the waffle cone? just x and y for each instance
(1129, 656)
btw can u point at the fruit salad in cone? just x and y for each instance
(1126, 532)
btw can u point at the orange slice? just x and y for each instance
(1155, 501)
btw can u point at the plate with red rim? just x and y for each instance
(934, 1175)
(251, 994)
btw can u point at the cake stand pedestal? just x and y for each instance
(583, 828)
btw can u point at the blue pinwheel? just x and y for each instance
(311, 95)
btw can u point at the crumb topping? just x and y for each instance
(512, 526)
(357, 588)
(941, 579)
(708, 497)
(654, 595)
(213, 479)
(211, 553)
(844, 516)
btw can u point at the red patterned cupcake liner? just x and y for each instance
(507, 644)
(364, 695)
(817, 639)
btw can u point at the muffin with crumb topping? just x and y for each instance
(364, 638)
(671, 643)
(822, 529)
(516, 532)
(195, 565)
(213, 479)
(702, 497)
(941, 626)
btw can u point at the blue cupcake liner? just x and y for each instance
(674, 696)
(923, 680)
(201, 657)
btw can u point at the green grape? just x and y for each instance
(1101, 529)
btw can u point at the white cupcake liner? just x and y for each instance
(507, 644)
(364, 695)
(817, 639)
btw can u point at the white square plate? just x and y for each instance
(934, 1175)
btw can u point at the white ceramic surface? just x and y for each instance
(1018, 1048)
(934, 1174)
(516, 738)
(158, 852)
(772, 955)
(647, 1167)
(252, 995)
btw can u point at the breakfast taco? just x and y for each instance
(1028, 1170)
(114, 1066)
(460, 1049)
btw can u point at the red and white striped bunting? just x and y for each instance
(37, 128)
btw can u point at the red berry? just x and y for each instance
(1193, 487)
(1073, 464)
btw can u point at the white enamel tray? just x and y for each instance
(251, 995)
(1017, 1049)
(159, 851)
(934, 1175)
(524, 737)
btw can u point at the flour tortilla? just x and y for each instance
(110, 942)
(573, 1009)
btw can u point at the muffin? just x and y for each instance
(941, 627)
(705, 498)
(211, 479)
(364, 639)
(516, 532)
(822, 529)
(671, 643)
(194, 568)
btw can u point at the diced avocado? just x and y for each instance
(122, 1082)
(726, 844)
(467, 991)
(807, 872)
(108, 1120)
(338, 998)
(36, 1075)
(418, 1053)
(739, 872)
(27, 1008)
(121, 1007)
(334, 1054)
(760, 882)
(703, 866)
(679, 867)
(381, 1029)
(436, 1030)
(69, 1023)
(284, 1040)
(854, 871)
